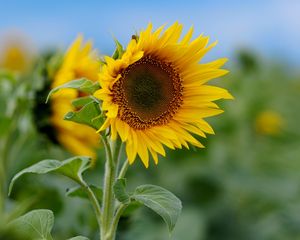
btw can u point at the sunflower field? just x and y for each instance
(159, 137)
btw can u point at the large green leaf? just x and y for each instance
(72, 168)
(160, 200)
(120, 191)
(82, 101)
(89, 115)
(83, 84)
(36, 225)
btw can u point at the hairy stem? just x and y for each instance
(112, 157)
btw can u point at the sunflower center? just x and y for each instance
(148, 89)
(143, 90)
(148, 93)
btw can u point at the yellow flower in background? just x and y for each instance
(15, 54)
(269, 123)
(79, 61)
(14, 58)
(156, 93)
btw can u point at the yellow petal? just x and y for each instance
(153, 143)
(194, 129)
(192, 114)
(202, 124)
(105, 125)
(131, 146)
(113, 130)
(123, 129)
(187, 37)
(112, 111)
(142, 150)
(154, 156)
(203, 76)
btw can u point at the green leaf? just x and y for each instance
(7, 75)
(83, 84)
(79, 192)
(131, 207)
(36, 224)
(161, 201)
(89, 115)
(80, 102)
(78, 238)
(118, 51)
(71, 168)
(5, 124)
(120, 191)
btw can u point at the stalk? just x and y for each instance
(3, 180)
(2, 186)
(93, 199)
(112, 157)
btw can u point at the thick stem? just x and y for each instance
(112, 156)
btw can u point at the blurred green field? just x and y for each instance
(244, 185)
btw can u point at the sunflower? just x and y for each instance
(269, 123)
(79, 61)
(156, 95)
(15, 55)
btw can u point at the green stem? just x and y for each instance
(5, 150)
(124, 169)
(93, 200)
(3, 168)
(112, 156)
(119, 212)
(2, 186)
(117, 153)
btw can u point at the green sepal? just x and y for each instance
(119, 51)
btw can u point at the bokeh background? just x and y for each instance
(244, 185)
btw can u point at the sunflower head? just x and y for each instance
(15, 56)
(155, 94)
(79, 61)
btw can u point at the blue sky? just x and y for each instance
(271, 28)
